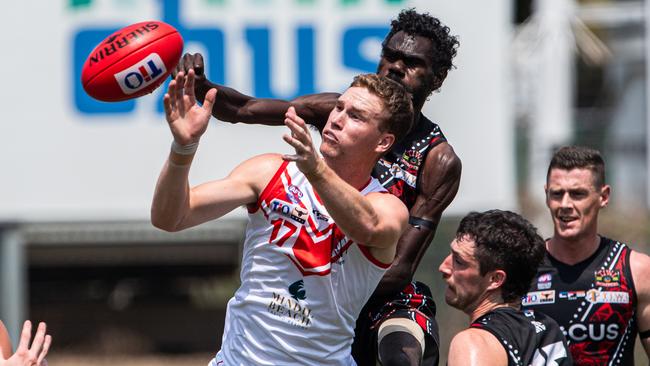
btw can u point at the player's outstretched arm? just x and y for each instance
(439, 184)
(29, 354)
(375, 220)
(640, 267)
(175, 206)
(233, 106)
(475, 347)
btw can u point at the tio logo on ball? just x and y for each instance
(141, 75)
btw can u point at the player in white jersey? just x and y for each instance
(321, 231)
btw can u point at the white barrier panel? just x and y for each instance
(67, 157)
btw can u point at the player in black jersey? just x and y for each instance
(397, 325)
(493, 258)
(596, 288)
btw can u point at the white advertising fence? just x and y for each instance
(67, 157)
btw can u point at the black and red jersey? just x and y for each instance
(528, 337)
(593, 301)
(398, 170)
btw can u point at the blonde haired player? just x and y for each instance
(321, 231)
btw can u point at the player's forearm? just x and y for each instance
(233, 106)
(351, 211)
(171, 197)
(410, 249)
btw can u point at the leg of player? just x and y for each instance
(400, 342)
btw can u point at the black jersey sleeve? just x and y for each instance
(529, 338)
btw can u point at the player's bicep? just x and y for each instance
(392, 218)
(241, 187)
(439, 182)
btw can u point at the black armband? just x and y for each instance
(645, 334)
(419, 223)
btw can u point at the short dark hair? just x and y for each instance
(424, 25)
(579, 157)
(504, 240)
(396, 100)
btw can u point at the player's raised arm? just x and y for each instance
(175, 206)
(233, 106)
(439, 184)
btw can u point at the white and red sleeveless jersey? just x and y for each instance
(303, 282)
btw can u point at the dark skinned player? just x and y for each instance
(397, 325)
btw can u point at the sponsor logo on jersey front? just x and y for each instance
(297, 290)
(544, 281)
(290, 310)
(607, 277)
(320, 216)
(572, 295)
(412, 159)
(294, 194)
(286, 209)
(141, 75)
(579, 332)
(607, 297)
(539, 298)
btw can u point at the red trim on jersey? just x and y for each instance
(267, 189)
(366, 253)
(314, 228)
(433, 140)
(306, 272)
(316, 195)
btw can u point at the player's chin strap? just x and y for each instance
(645, 334)
(419, 223)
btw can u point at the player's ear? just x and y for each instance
(386, 140)
(605, 190)
(546, 199)
(497, 278)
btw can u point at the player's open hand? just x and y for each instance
(26, 354)
(306, 156)
(187, 119)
